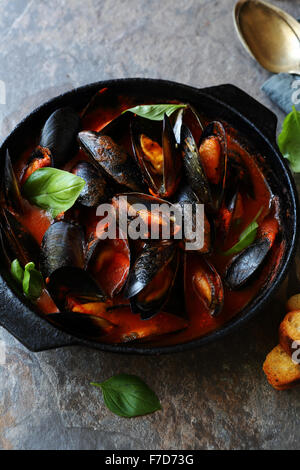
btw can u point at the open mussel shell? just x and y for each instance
(81, 324)
(112, 158)
(246, 265)
(74, 283)
(206, 283)
(188, 117)
(62, 246)
(59, 135)
(157, 154)
(95, 190)
(151, 279)
(194, 170)
(18, 241)
(108, 261)
(10, 186)
(213, 156)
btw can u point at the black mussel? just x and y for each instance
(108, 261)
(10, 186)
(189, 117)
(62, 246)
(151, 217)
(18, 240)
(96, 189)
(151, 279)
(113, 160)
(194, 170)
(213, 155)
(59, 135)
(81, 324)
(69, 286)
(203, 280)
(157, 154)
(187, 199)
(246, 265)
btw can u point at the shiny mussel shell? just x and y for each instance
(112, 158)
(62, 246)
(193, 167)
(95, 190)
(157, 154)
(151, 279)
(202, 280)
(59, 135)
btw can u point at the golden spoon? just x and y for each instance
(269, 34)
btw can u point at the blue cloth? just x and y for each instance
(284, 90)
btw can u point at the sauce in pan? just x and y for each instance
(196, 319)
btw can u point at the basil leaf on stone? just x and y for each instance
(17, 271)
(32, 282)
(52, 189)
(128, 396)
(289, 139)
(246, 237)
(155, 112)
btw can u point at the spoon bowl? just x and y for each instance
(269, 34)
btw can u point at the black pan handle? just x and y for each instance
(36, 333)
(264, 119)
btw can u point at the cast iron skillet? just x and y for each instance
(226, 102)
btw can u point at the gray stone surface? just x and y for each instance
(213, 398)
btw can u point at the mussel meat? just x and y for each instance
(158, 155)
(109, 261)
(151, 279)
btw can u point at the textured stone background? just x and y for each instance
(213, 398)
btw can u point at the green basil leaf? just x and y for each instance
(246, 237)
(53, 189)
(289, 139)
(155, 112)
(128, 396)
(17, 271)
(32, 282)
